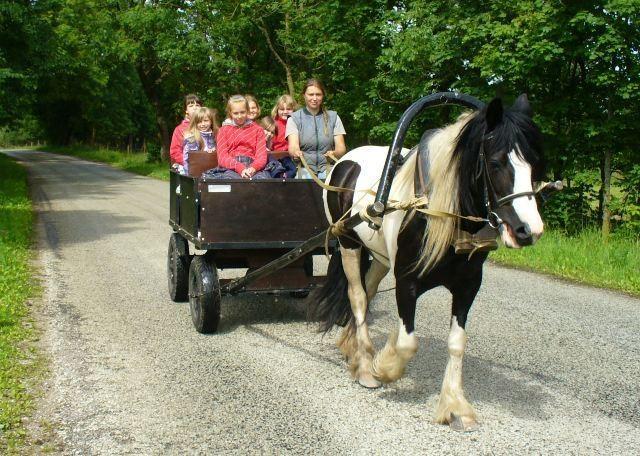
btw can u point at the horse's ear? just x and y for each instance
(494, 113)
(522, 104)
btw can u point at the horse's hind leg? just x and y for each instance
(359, 349)
(453, 408)
(402, 344)
(373, 277)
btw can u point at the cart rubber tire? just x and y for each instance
(204, 294)
(178, 260)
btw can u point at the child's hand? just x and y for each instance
(248, 172)
(210, 151)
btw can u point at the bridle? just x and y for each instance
(482, 169)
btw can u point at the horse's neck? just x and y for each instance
(421, 175)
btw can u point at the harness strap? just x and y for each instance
(508, 198)
(327, 187)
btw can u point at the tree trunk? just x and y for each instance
(165, 135)
(150, 89)
(605, 189)
(606, 194)
(287, 68)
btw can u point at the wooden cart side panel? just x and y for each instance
(183, 203)
(260, 211)
(174, 198)
(189, 205)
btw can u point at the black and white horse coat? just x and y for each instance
(418, 248)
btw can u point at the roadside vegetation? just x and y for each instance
(583, 258)
(19, 362)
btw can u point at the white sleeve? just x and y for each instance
(292, 127)
(338, 129)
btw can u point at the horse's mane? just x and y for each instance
(441, 191)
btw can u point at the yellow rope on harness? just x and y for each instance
(327, 187)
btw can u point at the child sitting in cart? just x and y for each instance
(274, 166)
(254, 108)
(269, 126)
(201, 135)
(191, 104)
(242, 145)
(281, 112)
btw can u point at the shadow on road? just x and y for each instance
(246, 309)
(81, 226)
(485, 381)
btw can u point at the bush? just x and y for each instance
(625, 210)
(573, 209)
(23, 132)
(154, 153)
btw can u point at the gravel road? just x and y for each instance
(551, 367)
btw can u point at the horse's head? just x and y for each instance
(513, 156)
(507, 158)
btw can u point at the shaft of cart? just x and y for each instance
(305, 248)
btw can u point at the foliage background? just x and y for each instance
(112, 73)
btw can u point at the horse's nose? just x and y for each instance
(523, 234)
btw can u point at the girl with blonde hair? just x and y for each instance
(200, 135)
(254, 107)
(242, 146)
(281, 112)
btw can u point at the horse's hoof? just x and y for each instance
(369, 382)
(463, 424)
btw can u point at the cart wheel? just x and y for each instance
(204, 294)
(178, 260)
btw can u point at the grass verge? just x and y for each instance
(584, 258)
(19, 361)
(134, 162)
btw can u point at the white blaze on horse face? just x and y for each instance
(526, 207)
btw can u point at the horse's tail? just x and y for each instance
(330, 304)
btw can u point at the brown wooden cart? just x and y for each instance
(271, 227)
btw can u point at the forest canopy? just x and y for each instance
(113, 72)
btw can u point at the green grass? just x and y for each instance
(19, 361)
(584, 258)
(135, 162)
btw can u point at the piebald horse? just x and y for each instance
(481, 165)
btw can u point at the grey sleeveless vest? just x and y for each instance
(314, 141)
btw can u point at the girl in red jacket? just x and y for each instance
(242, 149)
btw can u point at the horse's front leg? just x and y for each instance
(361, 349)
(390, 363)
(453, 408)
